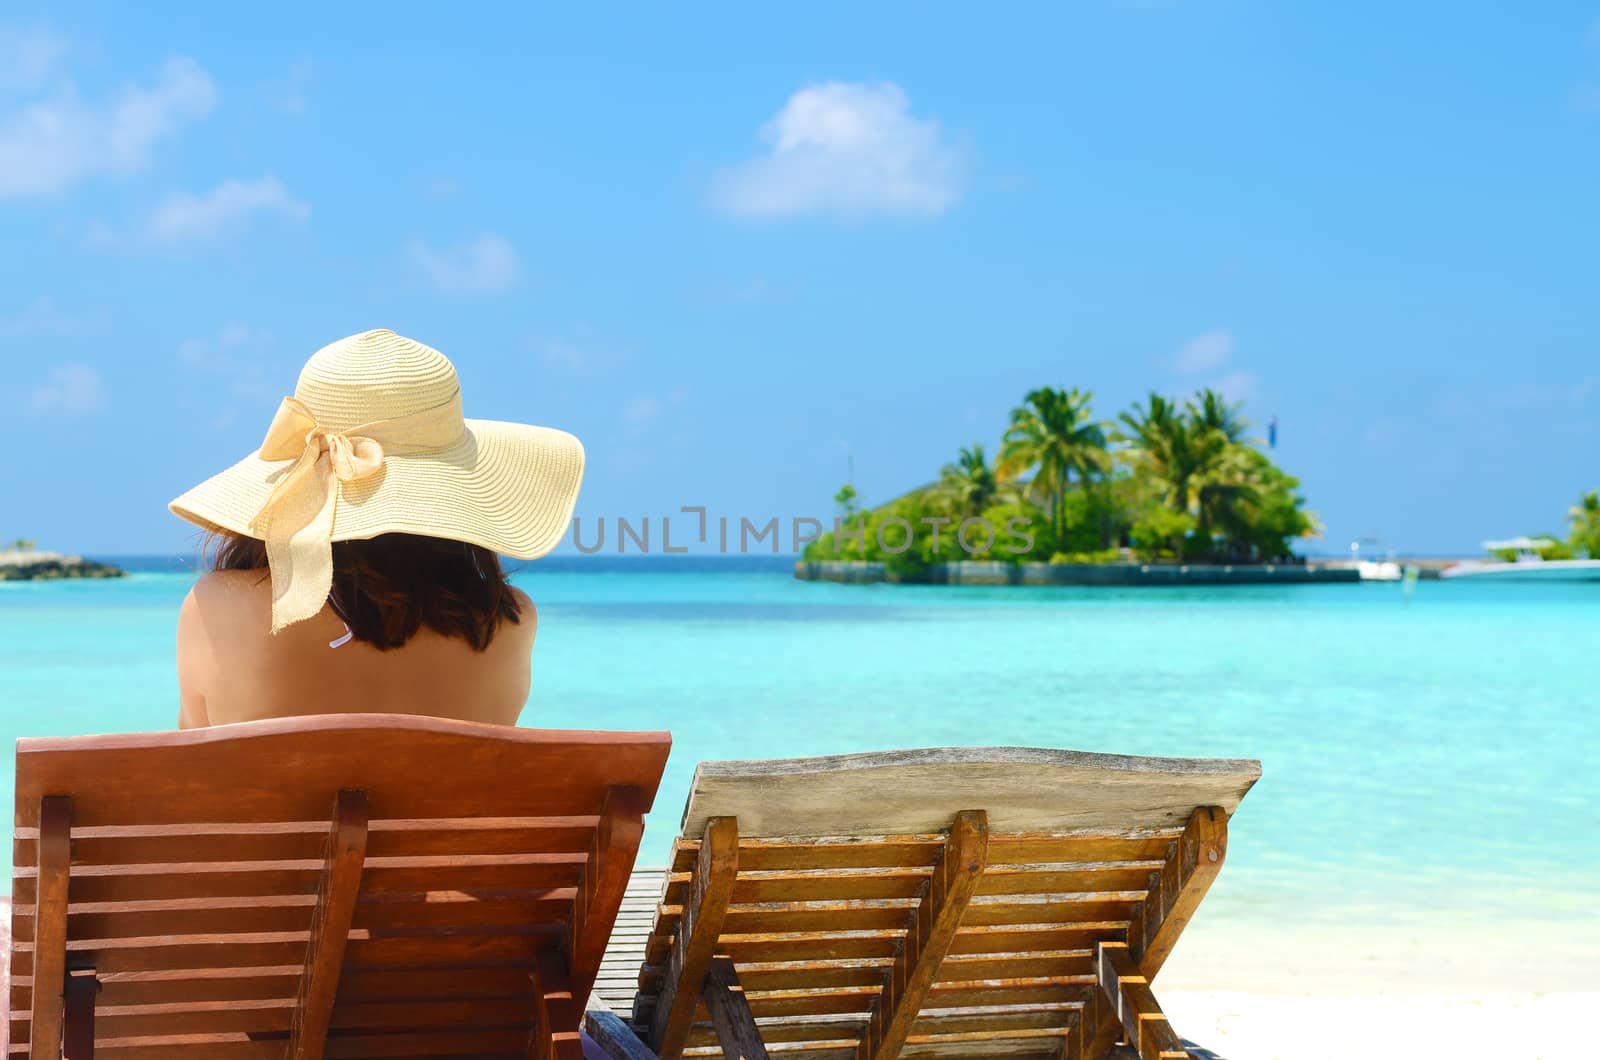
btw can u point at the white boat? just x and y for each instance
(1373, 570)
(1378, 570)
(1527, 565)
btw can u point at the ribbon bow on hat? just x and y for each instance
(298, 517)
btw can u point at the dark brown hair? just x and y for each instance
(388, 587)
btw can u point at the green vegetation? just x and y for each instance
(56, 567)
(1549, 548)
(1584, 518)
(1054, 435)
(1165, 482)
(19, 561)
(1583, 534)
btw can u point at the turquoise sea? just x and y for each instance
(1433, 757)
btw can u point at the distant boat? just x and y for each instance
(1373, 570)
(1527, 565)
(1379, 570)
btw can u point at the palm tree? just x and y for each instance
(1200, 460)
(1585, 518)
(1227, 491)
(1226, 478)
(1215, 413)
(848, 500)
(1161, 443)
(1055, 435)
(970, 484)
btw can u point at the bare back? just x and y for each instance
(230, 668)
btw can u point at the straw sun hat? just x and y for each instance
(373, 442)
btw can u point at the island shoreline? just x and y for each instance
(23, 565)
(990, 573)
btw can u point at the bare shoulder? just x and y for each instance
(220, 607)
(222, 584)
(231, 598)
(527, 613)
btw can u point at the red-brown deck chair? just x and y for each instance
(965, 902)
(358, 885)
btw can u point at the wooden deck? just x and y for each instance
(619, 968)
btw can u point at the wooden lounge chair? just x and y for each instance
(958, 903)
(356, 885)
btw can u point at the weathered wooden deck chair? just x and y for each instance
(957, 903)
(357, 885)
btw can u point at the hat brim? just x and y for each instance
(509, 487)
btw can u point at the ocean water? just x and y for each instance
(1436, 757)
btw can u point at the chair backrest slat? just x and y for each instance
(279, 771)
(1027, 789)
(199, 888)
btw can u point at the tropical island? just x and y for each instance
(1170, 486)
(23, 562)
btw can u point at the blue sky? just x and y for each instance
(726, 246)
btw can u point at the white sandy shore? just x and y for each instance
(1407, 991)
(1319, 994)
(1391, 1026)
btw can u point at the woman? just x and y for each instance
(355, 552)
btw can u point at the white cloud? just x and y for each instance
(48, 145)
(184, 216)
(1208, 355)
(237, 372)
(756, 290)
(71, 388)
(486, 265)
(1204, 353)
(1237, 386)
(642, 411)
(442, 187)
(1567, 395)
(28, 56)
(1382, 432)
(287, 94)
(211, 352)
(847, 150)
(42, 318)
(195, 352)
(580, 352)
(564, 356)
